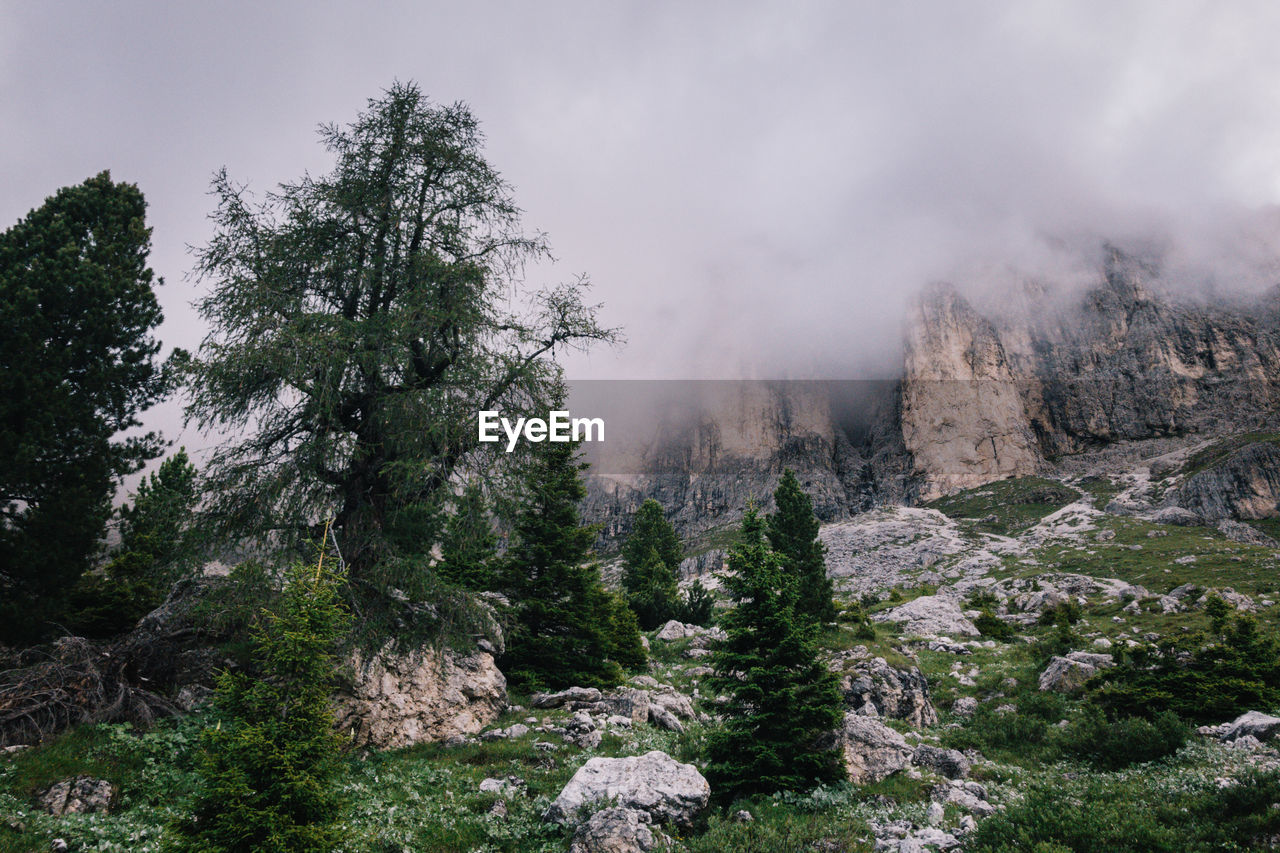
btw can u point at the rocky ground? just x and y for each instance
(935, 701)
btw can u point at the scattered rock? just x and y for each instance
(743, 816)
(393, 700)
(872, 750)
(80, 795)
(950, 763)
(654, 783)
(965, 706)
(564, 697)
(1065, 674)
(876, 689)
(930, 615)
(1253, 724)
(615, 830)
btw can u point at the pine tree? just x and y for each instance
(563, 633)
(155, 546)
(267, 768)
(77, 366)
(650, 557)
(782, 700)
(469, 545)
(793, 534)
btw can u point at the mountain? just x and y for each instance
(1018, 382)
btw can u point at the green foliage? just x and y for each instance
(1102, 815)
(1112, 745)
(697, 606)
(782, 699)
(469, 546)
(651, 556)
(155, 546)
(1205, 678)
(267, 768)
(561, 616)
(990, 625)
(77, 309)
(793, 535)
(1008, 506)
(1063, 613)
(359, 320)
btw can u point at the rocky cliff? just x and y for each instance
(989, 389)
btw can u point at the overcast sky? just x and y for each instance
(745, 183)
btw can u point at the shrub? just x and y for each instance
(1203, 678)
(990, 625)
(267, 768)
(1111, 745)
(697, 607)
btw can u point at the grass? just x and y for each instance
(1008, 506)
(1218, 451)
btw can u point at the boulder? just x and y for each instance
(392, 700)
(80, 795)
(965, 706)
(1066, 674)
(629, 702)
(875, 689)
(950, 763)
(872, 750)
(670, 792)
(1250, 724)
(565, 697)
(615, 831)
(931, 615)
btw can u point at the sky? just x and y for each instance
(755, 189)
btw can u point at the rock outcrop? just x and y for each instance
(872, 750)
(875, 689)
(81, 795)
(393, 700)
(655, 783)
(1246, 484)
(1066, 674)
(615, 831)
(931, 615)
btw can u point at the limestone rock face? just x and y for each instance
(615, 831)
(1244, 485)
(872, 750)
(655, 783)
(81, 795)
(945, 762)
(963, 420)
(425, 695)
(931, 615)
(1065, 674)
(875, 689)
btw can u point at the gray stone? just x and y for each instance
(565, 697)
(392, 700)
(1252, 723)
(950, 763)
(931, 615)
(656, 783)
(872, 750)
(1066, 674)
(873, 688)
(79, 795)
(615, 830)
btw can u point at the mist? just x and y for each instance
(756, 191)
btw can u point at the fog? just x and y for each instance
(754, 189)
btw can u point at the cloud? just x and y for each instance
(755, 189)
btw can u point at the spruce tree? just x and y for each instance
(793, 534)
(563, 632)
(782, 700)
(650, 557)
(267, 768)
(77, 365)
(469, 545)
